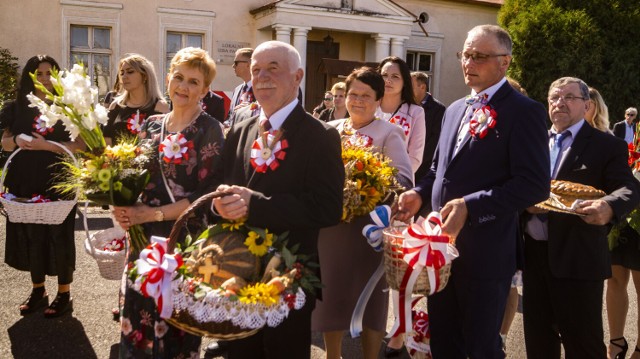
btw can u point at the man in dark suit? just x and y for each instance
(243, 93)
(626, 129)
(433, 112)
(482, 177)
(301, 195)
(566, 256)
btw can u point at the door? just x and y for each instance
(316, 80)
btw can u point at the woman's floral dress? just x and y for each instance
(192, 164)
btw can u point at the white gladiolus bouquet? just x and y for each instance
(75, 103)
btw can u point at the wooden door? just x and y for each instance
(316, 80)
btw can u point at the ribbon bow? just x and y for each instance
(423, 247)
(156, 268)
(482, 99)
(381, 217)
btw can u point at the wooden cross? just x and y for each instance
(208, 269)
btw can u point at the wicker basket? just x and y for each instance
(395, 266)
(54, 212)
(182, 319)
(110, 263)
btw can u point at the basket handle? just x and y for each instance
(182, 219)
(6, 164)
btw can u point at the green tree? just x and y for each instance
(597, 41)
(8, 75)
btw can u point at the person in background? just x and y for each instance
(301, 195)
(481, 179)
(173, 186)
(327, 103)
(566, 256)
(243, 93)
(626, 129)
(598, 114)
(339, 110)
(40, 249)
(433, 113)
(139, 99)
(398, 106)
(341, 248)
(213, 104)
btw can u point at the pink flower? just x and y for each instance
(125, 326)
(161, 328)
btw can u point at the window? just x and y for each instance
(423, 62)
(91, 45)
(177, 41)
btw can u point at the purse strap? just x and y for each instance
(164, 179)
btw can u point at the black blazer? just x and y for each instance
(619, 129)
(213, 104)
(433, 113)
(578, 250)
(304, 193)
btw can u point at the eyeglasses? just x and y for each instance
(235, 63)
(630, 114)
(566, 99)
(328, 99)
(477, 57)
(363, 98)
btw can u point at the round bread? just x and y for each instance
(565, 193)
(223, 256)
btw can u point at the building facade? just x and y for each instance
(332, 36)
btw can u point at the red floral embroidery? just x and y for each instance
(403, 122)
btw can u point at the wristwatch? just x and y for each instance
(158, 216)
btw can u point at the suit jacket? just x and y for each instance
(213, 104)
(433, 113)
(234, 99)
(304, 193)
(620, 129)
(498, 176)
(578, 250)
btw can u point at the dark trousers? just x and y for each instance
(465, 318)
(291, 339)
(559, 311)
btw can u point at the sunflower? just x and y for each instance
(259, 293)
(257, 244)
(233, 225)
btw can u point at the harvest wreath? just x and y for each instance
(230, 282)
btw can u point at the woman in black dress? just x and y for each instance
(189, 164)
(139, 98)
(38, 248)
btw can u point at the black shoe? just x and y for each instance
(624, 346)
(62, 304)
(216, 348)
(390, 352)
(36, 300)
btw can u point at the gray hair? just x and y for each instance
(635, 110)
(293, 56)
(503, 37)
(584, 89)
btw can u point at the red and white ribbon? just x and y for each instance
(483, 119)
(403, 122)
(175, 148)
(156, 269)
(424, 248)
(135, 121)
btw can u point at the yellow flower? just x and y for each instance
(104, 186)
(117, 186)
(104, 174)
(233, 225)
(259, 293)
(257, 245)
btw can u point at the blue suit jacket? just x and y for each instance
(498, 176)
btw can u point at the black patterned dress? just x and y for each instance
(144, 334)
(127, 121)
(39, 248)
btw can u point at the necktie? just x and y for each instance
(555, 151)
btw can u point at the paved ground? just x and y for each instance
(90, 333)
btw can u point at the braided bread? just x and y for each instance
(565, 193)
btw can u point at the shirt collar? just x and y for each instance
(426, 97)
(491, 90)
(278, 117)
(574, 129)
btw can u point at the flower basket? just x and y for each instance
(395, 266)
(200, 305)
(52, 212)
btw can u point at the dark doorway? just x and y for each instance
(316, 79)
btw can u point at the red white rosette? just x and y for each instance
(175, 148)
(134, 122)
(267, 154)
(483, 119)
(156, 269)
(40, 126)
(403, 122)
(360, 140)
